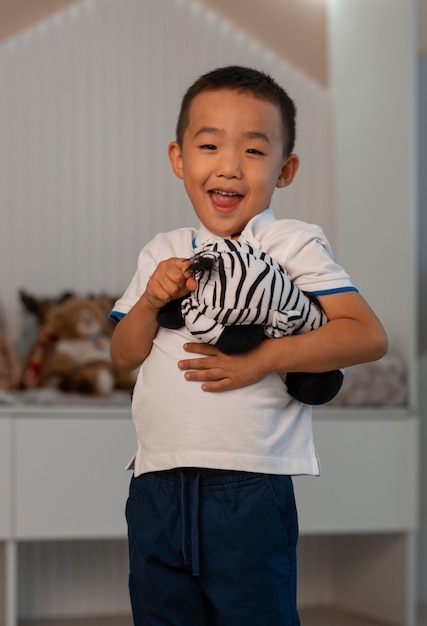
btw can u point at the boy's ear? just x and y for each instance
(175, 158)
(289, 169)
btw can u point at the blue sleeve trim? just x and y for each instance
(115, 316)
(328, 292)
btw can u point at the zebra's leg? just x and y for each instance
(170, 316)
(240, 338)
(314, 388)
(308, 387)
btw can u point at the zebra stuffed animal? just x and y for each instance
(243, 295)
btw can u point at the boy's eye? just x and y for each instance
(208, 146)
(254, 151)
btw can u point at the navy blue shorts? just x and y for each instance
(212, 548)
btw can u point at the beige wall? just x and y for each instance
(295, 29)
(17, 15)
(422, 27)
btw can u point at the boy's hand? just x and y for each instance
(353, 335)
(170, 280)
(132, 339)
(219, 371)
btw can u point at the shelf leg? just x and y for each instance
(10, 583)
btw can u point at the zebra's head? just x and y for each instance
(242, 295)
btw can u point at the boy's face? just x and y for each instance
(231, 158)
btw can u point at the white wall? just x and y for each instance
(88, 105)
(422, 286)
(373, 82)
(422, 179)
(373, 74)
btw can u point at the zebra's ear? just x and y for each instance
(288, 172)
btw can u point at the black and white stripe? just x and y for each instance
(239, 284)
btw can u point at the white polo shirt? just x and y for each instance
(257, 428)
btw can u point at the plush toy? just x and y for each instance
(73, 350)
(243, 295)
(40, 306)
(380, 383)
(10, 364)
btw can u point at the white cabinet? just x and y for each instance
(368, 481)
(70, 477)
(5, 501)
(62, 478)
(360, 516)
(5, 478)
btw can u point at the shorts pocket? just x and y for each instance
(280, 490)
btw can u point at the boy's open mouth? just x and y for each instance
(225, 199)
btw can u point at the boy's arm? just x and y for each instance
(133, 336)
(353, 335)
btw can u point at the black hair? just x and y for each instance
(244, 79)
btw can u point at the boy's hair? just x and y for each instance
(243, 79)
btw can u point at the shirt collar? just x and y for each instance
(249, 233)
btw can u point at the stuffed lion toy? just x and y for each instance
(73, 350)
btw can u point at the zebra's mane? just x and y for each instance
(202, 262)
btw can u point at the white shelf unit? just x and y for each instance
(62, 479)
(358, 520)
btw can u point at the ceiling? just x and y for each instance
(300, 35)
(295, 29)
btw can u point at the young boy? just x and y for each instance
(211, 513)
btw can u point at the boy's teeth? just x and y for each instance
(225, 193)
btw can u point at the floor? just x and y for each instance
(309, 617)
(93, 621)
(325, 617)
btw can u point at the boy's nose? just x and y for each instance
(229, 167)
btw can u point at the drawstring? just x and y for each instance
(190, 498)
(184, 518)
(195, 499)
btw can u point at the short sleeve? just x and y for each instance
(162, 246)
(306, 254)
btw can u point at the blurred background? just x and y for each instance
(89, 94)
